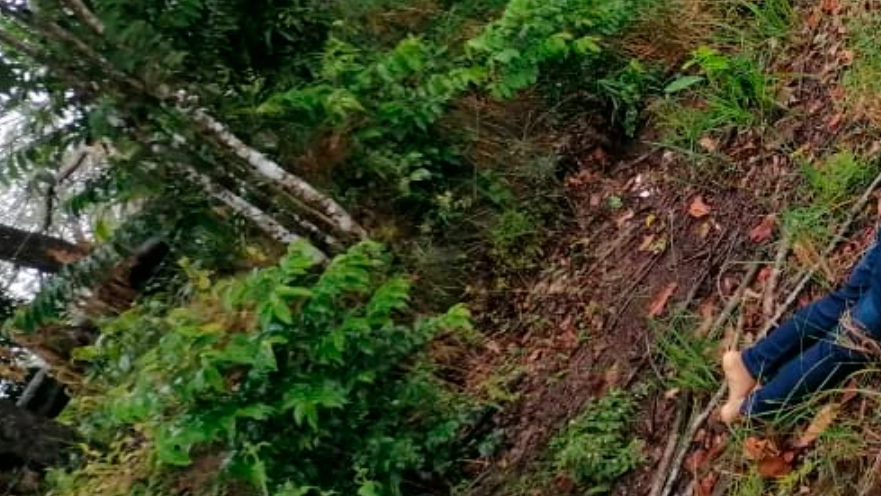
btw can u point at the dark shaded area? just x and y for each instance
(29, 439)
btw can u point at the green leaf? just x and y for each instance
(682, 83)
(369, 488)
(305, 399)
(587, 44)
(255, 412)
(281, 310)
(293, 291)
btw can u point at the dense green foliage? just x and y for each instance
(595, 448)
(306, 377)
(287, 363)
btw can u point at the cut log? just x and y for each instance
(36, 251)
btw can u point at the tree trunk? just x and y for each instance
(28, 439)
(36, 251)
(211, 128)
(239, 205)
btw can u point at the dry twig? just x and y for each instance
(735, 300)
(768, 301)
(669, 450)
(690, 432)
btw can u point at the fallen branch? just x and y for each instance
(804, 278)
(771, 285)
(690, 432)
(735, 300)
(669, 450)
(203, 122)
(668, 472)
(261, 219)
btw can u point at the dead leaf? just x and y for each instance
(698, 209)
(564, 484)
(757, 448)
(709, 144)
(822, 420)
(704, 230)
(660, 302)
(807, 254)
(850, 391)
(706, 485)
(763, 232)
(646, 243)
(672, 394)
(831, 6)
(612, 376)
(774, 467)
(65, 257)
(835, 121)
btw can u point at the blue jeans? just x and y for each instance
(812, 351)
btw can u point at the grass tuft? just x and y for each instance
(861, 82)
(690, 358)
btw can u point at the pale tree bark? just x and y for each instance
(85, 14)
(204, 123)
(271, 170)
(258, 217)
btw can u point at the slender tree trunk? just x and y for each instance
(202, 121)
(262, 165)
(82, 11)
(258, 217)
(36, 251)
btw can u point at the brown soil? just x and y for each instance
(581, 325)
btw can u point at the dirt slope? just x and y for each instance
(651, 235)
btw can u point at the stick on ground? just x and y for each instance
(768, 301)
(670, 449)
(734, 301)
(690, 432)
(803, 280)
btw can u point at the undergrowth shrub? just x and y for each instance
(387, 106)
(727, 91)
(829, 183)
(298, 380)
(837, 177)
(595, 449)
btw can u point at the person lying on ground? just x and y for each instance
(816, 349)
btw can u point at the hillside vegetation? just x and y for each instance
(395, 248)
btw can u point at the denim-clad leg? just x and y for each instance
(829, 356)
(812, 323)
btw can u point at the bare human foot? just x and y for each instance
(740, 384)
